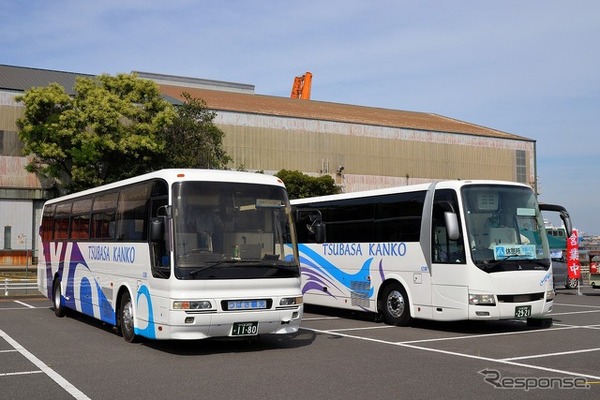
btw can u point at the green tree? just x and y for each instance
(111, 129)
(193, 139)
(300, 185)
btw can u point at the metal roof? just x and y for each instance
(24, 78)
(188, 82)
(344, 113)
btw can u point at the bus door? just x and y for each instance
(449, 275)
(159, 235)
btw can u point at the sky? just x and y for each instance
(530, 68)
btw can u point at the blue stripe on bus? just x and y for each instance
(317, 269)
(149, 331)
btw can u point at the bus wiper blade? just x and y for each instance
(279, 265)
(272, 261)
(498, 262)
(245, 263)
(214, 264)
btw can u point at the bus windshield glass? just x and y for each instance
(505, 228)
(232, 231)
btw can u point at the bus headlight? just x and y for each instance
(290, 301)
(550, 295)
(482, 299)
(192, 305)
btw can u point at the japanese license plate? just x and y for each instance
(244, 329)
(522, 311)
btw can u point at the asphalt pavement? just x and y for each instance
(335, 355)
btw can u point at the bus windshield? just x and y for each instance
(505, 228)
(228, 230)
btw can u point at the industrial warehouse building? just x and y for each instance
(360, 147)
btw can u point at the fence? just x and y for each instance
(19, 286)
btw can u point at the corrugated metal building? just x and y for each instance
(361, 147)
(376, 147)
(21, 194)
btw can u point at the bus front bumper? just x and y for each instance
(510, 310)
(192, 326)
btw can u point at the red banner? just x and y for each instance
(574, 267)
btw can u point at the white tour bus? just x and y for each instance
(451, 250)
(176, 254)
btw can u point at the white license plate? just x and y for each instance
(245, 329)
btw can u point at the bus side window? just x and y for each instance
(47, 228)
(310, 227)
(80, 219)
(132, 212)
(103, 216)
(445, 250)
(61, 220)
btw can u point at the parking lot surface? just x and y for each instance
(335, 355)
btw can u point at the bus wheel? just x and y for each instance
(126, 318)
(394, 306)
(59, 308)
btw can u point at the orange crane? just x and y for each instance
(301, 87)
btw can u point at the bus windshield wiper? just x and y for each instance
(245, 263)
(498, 262)
(280, 265)
(214, 264)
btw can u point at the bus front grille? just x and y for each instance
(520, 298)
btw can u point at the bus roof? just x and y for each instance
(184, 174)
(449, 184)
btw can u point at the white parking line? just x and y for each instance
(62, 382)
(367, 328)
(576, 305)
(492, 360)
(20, 373)
(562, 353)
(573, 313)
(24, 304)
(363, 328)
(319, 318)
(485, 335)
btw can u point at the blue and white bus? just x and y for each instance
(450, 250)
(176, 254)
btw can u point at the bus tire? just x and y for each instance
(126, 325)
(59, 308)
(394, 305)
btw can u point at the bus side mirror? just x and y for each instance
(315, 225)
(157, 229)
(452, 225)
(320, 232)
(564, 215)
(566, 219)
